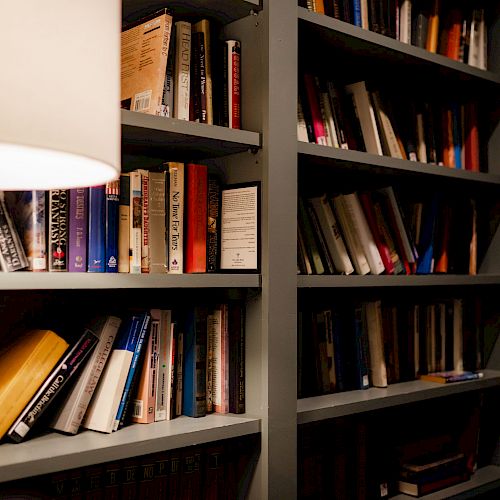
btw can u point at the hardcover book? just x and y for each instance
(58, 230)
(213, 224)
(65, 369)
(72, 410)
(78, 229)
(233, 48)
(203, 27)
(26, 362)
(112, 206)
(97, 230)
(124, 224)
(143, 63)
(157, 222)
(145, 230)
(182, 75)
(176, 218)
(28, 211)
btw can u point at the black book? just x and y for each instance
(63, 371)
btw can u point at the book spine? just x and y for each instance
(135, 245)
(196, 219)
(213, 224)
(28, 211)
(97, 230)
(124, 224)
(182, 69)
(52, 386)
(179, 372)
(236, 327)
(204, 27)
(78, 229)
(160, 323)
(145, 230)
(72, 410)
(233, 48)
(176, 218)
(58, 230)
(112, 223)
(157, 222)
(315, 109)
(168, 86)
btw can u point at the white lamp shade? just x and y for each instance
(59, 93)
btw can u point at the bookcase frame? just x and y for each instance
(266, 150)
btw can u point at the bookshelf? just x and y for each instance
(276, 37)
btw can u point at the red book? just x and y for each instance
(233, 75)
(316, 118)
(195, 251)
(471, 138)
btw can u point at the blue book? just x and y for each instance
(136, 346)
(194, 399)
(457, 134)
(425, 262)
(356, 13)
(112, 219)
(97, 230)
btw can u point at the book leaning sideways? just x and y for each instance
(450, 376)
(26, 363)
(65, 368)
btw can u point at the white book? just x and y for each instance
(182, 69)
(405, 21)
(366, 116)
(332, 234)
(157, 223)
(72, 410)
(135, 222)
(161, 321)
(301, 124)
(176, 218)
(378, 368)
(351, 238)
(478, 40)
(361, 228)
(103, 407)
(326, 112)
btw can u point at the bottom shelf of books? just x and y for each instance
(416, 449)
(223, 467)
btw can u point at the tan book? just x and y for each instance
(203, 26)
(378, 369)
(157, 223)
(182, 74)
(144, 51)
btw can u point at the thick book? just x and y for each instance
(157, 222)
(143, 71)
(312, 94)
(182, 72)
(144, 399)
(194, 402)
(71, 411)
(59, 376)
(233, 48)
(103, 407)
(97, 230)
(145, 229)
(112, 207)
(78, 229)
(378, 368)
(133, 372)
(213, 223)
(218, 335)
(58, 230)
(203, 27)
(26, 362)
(195, 244)
(124, 224)
(176, 218)
(28, 211)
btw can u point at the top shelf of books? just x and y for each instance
(223, 11)
(315, 29)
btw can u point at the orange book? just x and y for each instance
(319, 6)
(471, 138)
(195, 250)
(26, 363)
(433, 28)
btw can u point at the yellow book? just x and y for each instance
(26, 363)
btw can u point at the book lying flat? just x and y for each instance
(448, 377)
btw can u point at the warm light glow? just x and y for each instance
(26, 168)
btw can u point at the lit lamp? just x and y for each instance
(59, 93)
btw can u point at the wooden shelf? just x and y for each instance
(60, 281)
(370, 281)
(145, 137)
(53, 452)
(351, 402)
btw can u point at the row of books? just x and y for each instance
(360, 117)
(456, 29)
(415, 450)
(365, 232)
(148, 222)
(155, 365)
(178, 68)
(375, 344)
(221, 469)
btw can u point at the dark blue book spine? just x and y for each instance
(142, 329)
(425, 263)
(112, 220)
(361, 349)
(194, 402)
(97, 230)
(356, 12)
(78, 229)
